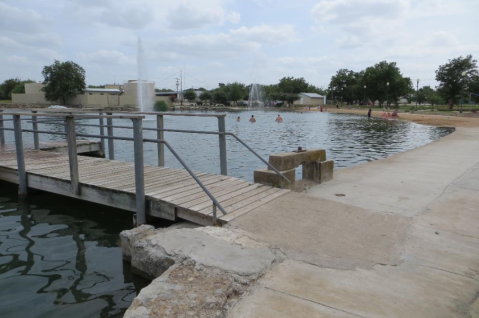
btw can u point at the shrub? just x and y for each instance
(160, 106)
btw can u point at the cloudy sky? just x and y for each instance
(234, 40)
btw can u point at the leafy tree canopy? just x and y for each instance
(20, 87)
(190, 95)
(205, 96)
(456, 76)
(7, 86)
(220, 97)
(63, 80)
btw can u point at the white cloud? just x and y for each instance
(186, 16)
(14, 19)
(236, 42)
(105, 57)
(353, 11)
(234, 17)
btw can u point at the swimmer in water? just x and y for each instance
(238, 119)
(279, 119)
(252, 119)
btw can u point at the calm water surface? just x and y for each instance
(61, 257)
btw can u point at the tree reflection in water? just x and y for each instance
(61, 258)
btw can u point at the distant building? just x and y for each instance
(310, 99)
(113, 95)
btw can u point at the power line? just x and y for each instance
(168, 77)
(197, 79)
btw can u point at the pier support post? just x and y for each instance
(36, 140)
(222, 137)
(72, 155)
(160, 135)
(102, 133)
(2, 132)
(139, 172)
(111, 145)
(22, 173)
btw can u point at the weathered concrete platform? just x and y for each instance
(170, 193)
(400, 240)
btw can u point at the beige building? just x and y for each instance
(114, 95)
(310, 99)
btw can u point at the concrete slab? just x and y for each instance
(443, 250)
(267, 303)
(456, 211)
(407, 182)
(385, 291)
(164, 248)
(326, 232)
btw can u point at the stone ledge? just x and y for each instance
(292, 160)
(269, 177)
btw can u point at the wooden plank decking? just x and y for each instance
(170, 193)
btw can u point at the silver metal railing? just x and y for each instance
(69, 117)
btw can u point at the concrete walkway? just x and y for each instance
(403, 241)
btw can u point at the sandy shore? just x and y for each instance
(432, 120)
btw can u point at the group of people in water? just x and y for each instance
(278, 119)
(385, 115)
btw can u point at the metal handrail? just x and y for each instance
(71, 140)
(191, 132)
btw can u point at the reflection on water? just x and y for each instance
(61, 258)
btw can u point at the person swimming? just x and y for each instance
(369, 113)
(238, 119)
(252, 119)
(279, 119)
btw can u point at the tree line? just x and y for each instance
(383, 83)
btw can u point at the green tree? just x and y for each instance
(455, 77)
(220, 97)
(190, 95)
(20, 87)
(63, 80)
(291, 85)
(161, 106)
(7, 86)
(291, 98)
(235, 92)
(376, 78)
(205, 96)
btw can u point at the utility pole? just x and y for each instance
(181, 83)
(177, 84)
(417, 92)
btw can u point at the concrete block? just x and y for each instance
(312, 171)
(269, 177)
(128, 238)
(291, 160)
(327, 170)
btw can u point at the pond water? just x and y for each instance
(60, 257)
(348, 139)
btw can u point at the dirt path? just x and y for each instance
(432, 120)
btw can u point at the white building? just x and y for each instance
(310, 99)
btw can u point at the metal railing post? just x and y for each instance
(160, 135)
(2, 132)
(22, 173)
(111, 145)
(36, 140)
(102, 133)
(214, 214)
(139, 171)
(222, 139)
(72, 155)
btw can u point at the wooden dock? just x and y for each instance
(169, 193)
